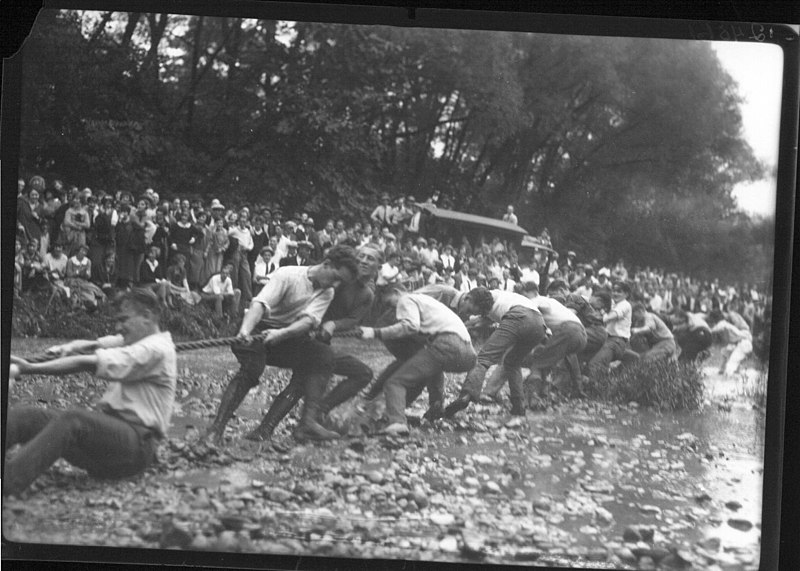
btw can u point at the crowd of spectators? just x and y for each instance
(81, 245)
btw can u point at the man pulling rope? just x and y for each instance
(118, 439)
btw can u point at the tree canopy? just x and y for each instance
(621, 147)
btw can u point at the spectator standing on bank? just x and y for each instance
(509, 216)
(383, 214)
(103, 230)
(76, 222)
(30, 223)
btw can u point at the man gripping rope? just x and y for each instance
(285, 311)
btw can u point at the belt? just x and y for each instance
(617, 337)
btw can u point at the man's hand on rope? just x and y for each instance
(367, 333)
(76, 347)
(326, 331)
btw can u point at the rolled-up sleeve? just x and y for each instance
(271, 294)
(130, 363)
(318, 305)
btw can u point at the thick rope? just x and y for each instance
(201, 344)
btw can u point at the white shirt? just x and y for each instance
(554, 313)
(216, 286)
(504, 301)
(243, 236)
(621, 325)
(143, 377)
(420, 313)
(290, 295)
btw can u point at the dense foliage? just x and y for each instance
(63, 322)
(620, 146)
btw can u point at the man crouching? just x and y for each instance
(118, 439)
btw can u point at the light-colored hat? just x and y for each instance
(216, 204)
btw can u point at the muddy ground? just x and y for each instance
(580, 484)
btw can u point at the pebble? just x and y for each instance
(625, 555)
(603, 515)
(733, 505)
(647, 564)
(443, 518)
(449, 544)
(492, 488)
(375, 476)
(740, 524)
(648, 509)
(631, 535)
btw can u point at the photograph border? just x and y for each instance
(776, 522)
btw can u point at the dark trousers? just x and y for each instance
(425, 368)
(612, 350)
(357, 376)
(692, 343)
(241, 277)
(520, 330)
(104, 445)
(596, 336)
(311, 362)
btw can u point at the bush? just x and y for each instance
(664, 385)
(61, 321)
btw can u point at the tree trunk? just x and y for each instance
(198, 31)
(133, 21)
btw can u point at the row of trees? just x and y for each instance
(620, 146)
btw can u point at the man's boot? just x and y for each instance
(233, 396)
(309, 428)
(517, 408)
(457, 405)
(435, 410)
(281, 406)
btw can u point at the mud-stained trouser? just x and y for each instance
(519, 331)
(445, 352)
(106, 445)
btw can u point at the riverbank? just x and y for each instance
(583, 483)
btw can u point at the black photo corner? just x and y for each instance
(780, 548)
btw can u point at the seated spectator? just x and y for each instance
(264, 266)
(177, 283)
(34, 272)
(507, 283)
(220, 293)
(79, 275)
(56, 265)
(390, 271)
(290, 259)
(304, 249)
(151, 274)
(107, 274)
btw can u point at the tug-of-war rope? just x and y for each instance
(201, 344)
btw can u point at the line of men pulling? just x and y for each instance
(295, 315)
